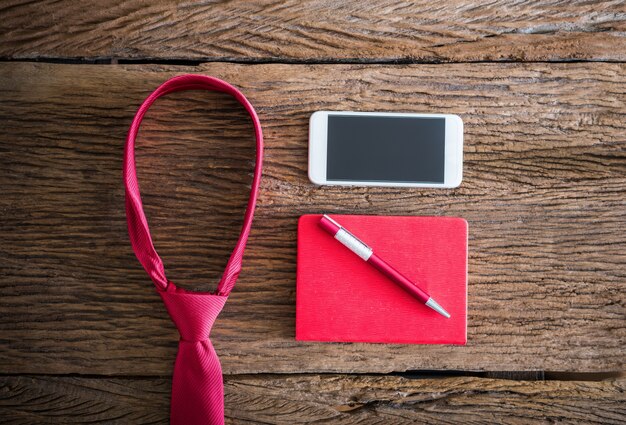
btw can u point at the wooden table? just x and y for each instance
(541, 89)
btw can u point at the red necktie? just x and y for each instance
(197, 387)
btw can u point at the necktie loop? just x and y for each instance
(138, 229)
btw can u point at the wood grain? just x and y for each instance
(543, 192)
(387, 30)
(336, 399)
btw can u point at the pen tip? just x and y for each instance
(439, 309)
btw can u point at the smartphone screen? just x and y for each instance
(386, 149)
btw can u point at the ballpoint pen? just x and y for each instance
(367, 254)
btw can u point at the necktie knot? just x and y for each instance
(193, 313)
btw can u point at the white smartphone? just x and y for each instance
(385, 149)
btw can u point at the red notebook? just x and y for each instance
(341, 298)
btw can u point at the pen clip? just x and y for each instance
(333, 221)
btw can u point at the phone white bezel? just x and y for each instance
(318, 133)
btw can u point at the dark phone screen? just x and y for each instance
(386, 149)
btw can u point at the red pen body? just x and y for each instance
(380, 265)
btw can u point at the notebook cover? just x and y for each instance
(341, 298)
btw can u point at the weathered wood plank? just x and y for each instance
(337, 399)
(460, 30)
(544, 194)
